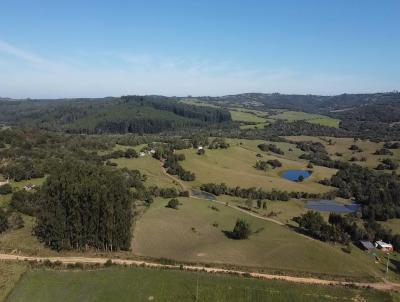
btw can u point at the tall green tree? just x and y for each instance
(84, 206)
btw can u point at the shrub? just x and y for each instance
(241, 230)
(5, 189)
(15, 221)
(173, 203)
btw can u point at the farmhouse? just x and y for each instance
(383, 246)
(141, 154)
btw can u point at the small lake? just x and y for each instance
(331, 206)
(202, 194)
(295, 175)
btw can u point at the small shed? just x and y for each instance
(383, 246)
(366, 245)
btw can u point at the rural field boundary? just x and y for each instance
(384, 285)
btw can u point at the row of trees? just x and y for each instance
(265, 165)
(258, 193)
(271, 148)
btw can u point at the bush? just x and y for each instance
(5, 189)
(15, 221)
(173, 203)
(25, 202)
(241, 230)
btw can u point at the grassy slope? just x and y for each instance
(149, 166)
(393, 224)
(167, 233)
(139, 284)
(234, 166)
(23, 241)
(10, 273)
(342, 145)
(242, 116)
(291, 116)
(284, 210)
(5, 199)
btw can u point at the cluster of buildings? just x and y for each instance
(381, 245)
(150, 152)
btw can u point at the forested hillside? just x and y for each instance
(372, 116)
(151, 114)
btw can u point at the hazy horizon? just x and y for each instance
(175, 48)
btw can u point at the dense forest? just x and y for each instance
(129, 114)
(85, 206)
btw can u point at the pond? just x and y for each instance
(331, 206)
(202, 194)
(296, 175)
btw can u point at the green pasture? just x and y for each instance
(195, 233)
(141, 284)
(292, 116)
(235, 167)
(150, 167)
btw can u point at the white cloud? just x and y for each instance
(149, 74)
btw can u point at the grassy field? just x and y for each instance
(292, 116)
(235, 167)
(5, 199)
(34, 181)
(198, 102)
(393, 224)
(282, 211)
(194, 233)
(22, 240)
(140, 284)
(10, 273)
(342, 145)
(242, 116)
(149, 166)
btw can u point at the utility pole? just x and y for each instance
(197, 288)
(387, 263)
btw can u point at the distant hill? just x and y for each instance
(139, 114)
(363, 113)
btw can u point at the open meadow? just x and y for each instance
(195, 233)
(292, 116)
(150, 167)
(338, 149)
(235, 167)
(10, 274)
(140, 284)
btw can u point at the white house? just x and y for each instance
(383, 246)
(141, 154)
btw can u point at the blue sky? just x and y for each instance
(100, 48)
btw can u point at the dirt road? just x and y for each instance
(386, 286)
